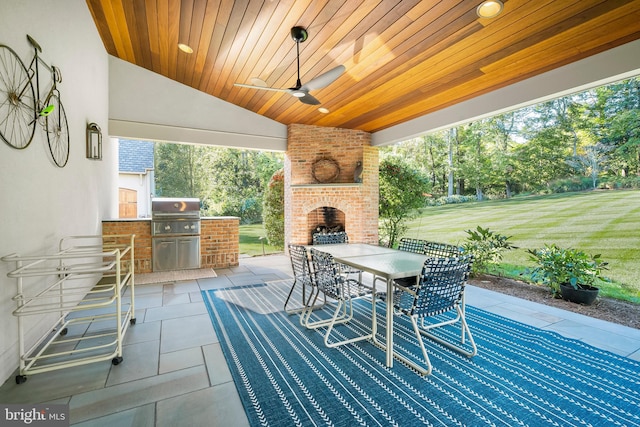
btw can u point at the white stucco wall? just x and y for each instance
(138, 109)
(39, 202)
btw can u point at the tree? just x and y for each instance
(591, 163)
(273, 210)
(179, 171)
(475, 165)
(402, 192)
(614, 118)
(228, 181)
(238, 179)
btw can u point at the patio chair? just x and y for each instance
(335, 238)
(335, 286)
(440, 290)
(302, 277)
(432, 249)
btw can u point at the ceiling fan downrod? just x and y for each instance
(299, 34)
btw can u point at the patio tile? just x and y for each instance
(174, 311)
(181, 359)
(142, 416)
(139, 361)
(571, 329)
(214, 406)
(520, 314)
(142, 332)
(195, 296)
(172, 299)
(58, 384)
(217, 367)
(246, 279)
(148, 300)
(174, 336)
(147, 289)
(214, 283)
(108, 400)
(181, 287)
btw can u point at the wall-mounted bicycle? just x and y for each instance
(22, 106)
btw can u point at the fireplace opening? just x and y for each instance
(325, 219)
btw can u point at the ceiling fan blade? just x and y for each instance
(309, 99)
(273, 89)
(324, 79)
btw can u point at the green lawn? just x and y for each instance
(604, 222)
(250, 242)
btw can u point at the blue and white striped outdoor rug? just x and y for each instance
(521, 376)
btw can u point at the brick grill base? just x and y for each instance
(219, 241)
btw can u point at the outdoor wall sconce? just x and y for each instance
(94, 142)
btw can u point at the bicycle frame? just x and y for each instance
(34, 71)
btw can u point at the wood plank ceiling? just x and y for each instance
(403, 58)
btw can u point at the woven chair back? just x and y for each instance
(442, 250)
(327, 276)
(412, 245)
(300, 264)
(441, 286)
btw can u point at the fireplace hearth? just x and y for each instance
(325, 219)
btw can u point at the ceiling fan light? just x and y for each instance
(185, 48)
(489, 9)
(298, 93)
(257, 81)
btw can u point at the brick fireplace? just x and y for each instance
(346, 196)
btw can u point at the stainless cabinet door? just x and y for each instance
(189, 252)
(165, 253)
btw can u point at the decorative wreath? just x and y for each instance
(325, 170)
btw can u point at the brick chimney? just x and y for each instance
(330, 170)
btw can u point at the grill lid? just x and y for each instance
(175, 207)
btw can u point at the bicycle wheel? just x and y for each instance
(58, 132)
(17, 100)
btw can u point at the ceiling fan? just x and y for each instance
(301, 91)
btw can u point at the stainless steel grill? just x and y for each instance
(175, 231)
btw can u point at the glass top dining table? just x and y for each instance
(382, 262)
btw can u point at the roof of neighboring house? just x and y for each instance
(135, 156)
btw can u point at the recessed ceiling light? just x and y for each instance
(185, 48)
(489, 9)
(323, 110)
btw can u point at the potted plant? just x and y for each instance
(569, 273)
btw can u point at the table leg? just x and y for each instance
(374, 321)
(389, 302)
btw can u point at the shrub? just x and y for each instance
(273, 210)
(487, 248)
(567, 185)
(446, 200)
(560, 266)
(621, 182)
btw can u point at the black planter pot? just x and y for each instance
(586, 295)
